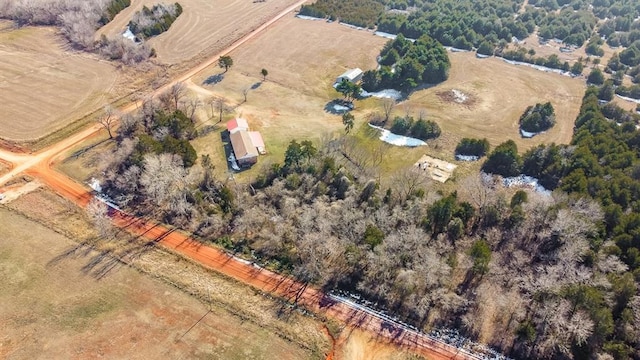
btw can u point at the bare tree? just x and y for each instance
(190, 107)
(408, 180)
(99, 214)
(245, 91)
(108, 120)
(218, 106)
(387, 107)
(176, 93)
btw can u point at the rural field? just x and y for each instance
(98, 306)
(125, 299)
(290, 103)
(497, 94)
(44, 85)
(204, 27)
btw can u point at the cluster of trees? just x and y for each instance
(552, 61)
(548, 276)
(538, 118)
(594, 46)
(472, 147)
(154, 21)
(363, 13)
(78, 21)
(571, 26)
(113, 9)
(421, 129)
(461, 24)
(406, 64)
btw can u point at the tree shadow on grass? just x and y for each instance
(214, 79)
(338, 106)
(256, 85)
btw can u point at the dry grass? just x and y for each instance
(502, 92)
(43, 85)
(205, 26)
(290, 104)
(354, 344)
(97, 305)
(552, 47)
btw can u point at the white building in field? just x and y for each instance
(352, 75)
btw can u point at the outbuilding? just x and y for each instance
(352, 75)
(237, 124)
(246, 153)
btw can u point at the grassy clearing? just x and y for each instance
(47, 86)
(290, 103)
(56, 285)
(203, 28)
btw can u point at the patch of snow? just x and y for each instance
(95, 185)
(234, 163)
(459, 96)
(525, 181)
(539, 67)
(385, 35)
(454, 49)
(127, 34)
(352, 26)
(637, 101)
(482, 56)
(398, 140)
(467, 157)
(340, 108)
(305, 17)
(529, 135)
(386, 93)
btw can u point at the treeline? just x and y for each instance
(461, 24)
(573, 27)
(363, 13)
(552, 61)
(78, 21)
(114, 9)
(151, 22)
(405, 64)
(531, 274)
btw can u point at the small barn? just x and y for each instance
(237, 124)
(246, 153)
(352, 75)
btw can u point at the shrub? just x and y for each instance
(472, 147)
(538, 118)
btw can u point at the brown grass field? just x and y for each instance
(43, 85)
(205, 26)
(502, 92)
(62, 299)
(91, 297)
(290, 104)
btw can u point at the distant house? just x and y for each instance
(246, 153)
(237, 124)
(352, 75)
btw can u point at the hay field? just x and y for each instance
(204, 27)
(290, 103)
(43, 85)
(500, 93)
(63, 299)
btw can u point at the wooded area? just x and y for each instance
(551, 276)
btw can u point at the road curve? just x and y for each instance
(39, 166)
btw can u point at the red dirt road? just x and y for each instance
(262, 279)
(39, 166)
